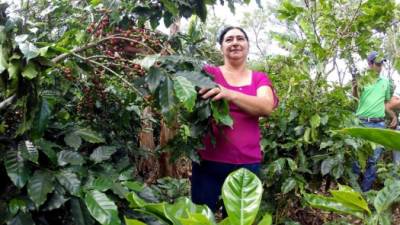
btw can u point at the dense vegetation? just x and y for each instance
(98, 110)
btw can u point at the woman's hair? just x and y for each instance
(226, 29)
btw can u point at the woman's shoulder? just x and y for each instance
(258, 75)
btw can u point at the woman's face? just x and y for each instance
(235, 45)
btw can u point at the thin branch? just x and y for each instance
(109, 70)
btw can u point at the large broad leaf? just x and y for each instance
(41, 119)
(29, 50)
(348, 195)
(333, 205)
(185, 92)
(102, 153)
(154, 78)
(56, 200)
(156, 209)
(102, 208)
(183, 211)
(22, 218)
(39, 186)
(387, 196)
(196, 219)
(69, 157)
(167, 99)
(16, 168)
(80, 213)
(101, 183)
(70, 181)
(171, 6)
(47, 148)
(90, 136)
(28, 151)
(386, 137)
(241, 192)
(73, 140)
(220, 112)
(198, 79)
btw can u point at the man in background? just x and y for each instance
(375, 92)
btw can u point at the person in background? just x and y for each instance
(250, 95)
(371, 111)
(392, 108)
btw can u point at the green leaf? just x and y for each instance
(29, 71)
(90, 136)
(170, 6)
(198, 79)
(191, 211)
(196, 219)
(70, 181)
(22, 219)
(41, 119)
(39, 186)
(167, 98)
(47, 148)
(73, 140)
(28, 151)
(327, 165)
(102, 153)
(102, 208)
(220, 112)
(288, 185)
(80, 213)
(16, 168)
(315, 121)
(29, 50)
(133, 222)
(185, 92)
(266, 220)
(386, 196)
(154, 78)
(241, 193)
(13, 69)
(69, 157)
(386, 137)
(332, 204)
(134, 185)
(348, 195)
(55, 201)
(101, 184)
(16, 205)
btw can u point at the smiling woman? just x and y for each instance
(250, 95)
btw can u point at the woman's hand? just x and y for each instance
(217, 93)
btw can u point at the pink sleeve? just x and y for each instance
(263, 80)
(212, 70)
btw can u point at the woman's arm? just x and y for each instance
(260, 105)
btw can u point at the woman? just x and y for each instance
(250, 95)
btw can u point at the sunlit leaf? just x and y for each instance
(185, 92)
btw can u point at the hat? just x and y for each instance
(375, 57)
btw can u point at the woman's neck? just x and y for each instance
(235, 66)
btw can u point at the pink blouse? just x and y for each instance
(240, 144)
